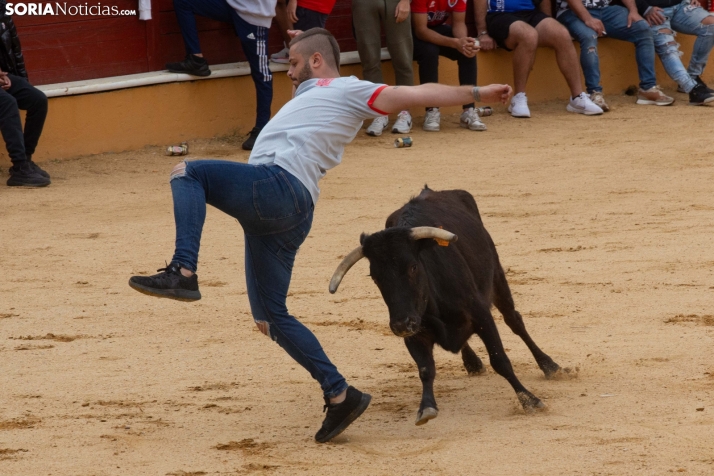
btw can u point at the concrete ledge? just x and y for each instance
(229, 70)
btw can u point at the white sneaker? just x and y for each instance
(378, 125)
(582, 104)
(403, 124)
(519, 106)
(281, 56)
(432, 120)
(470, 120)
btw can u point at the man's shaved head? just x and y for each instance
(318, 40)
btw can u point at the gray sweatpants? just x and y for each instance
(368, 17)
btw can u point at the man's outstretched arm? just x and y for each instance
(399, 98)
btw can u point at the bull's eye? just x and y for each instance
(413, 269)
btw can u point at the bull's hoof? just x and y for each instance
(474, 372)
(474, 367)
(472, 363)
(425, 415)
(530, 402)
(550, 369)
(563, 373)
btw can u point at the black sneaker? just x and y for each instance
(169, 283)
(699, 80)
(25, 175)
(38, 169)
(250, 141)
(700, 95)
(192, 64)
(340, 415)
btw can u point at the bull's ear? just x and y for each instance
(425, 244)
(363, 237)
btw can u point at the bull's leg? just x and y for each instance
(472, 363)
(421, 348)
(486, 329)
(504, 303)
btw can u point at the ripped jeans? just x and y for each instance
(614, 18)
(683, 18)
(275, 210)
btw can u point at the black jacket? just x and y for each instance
(11, 59)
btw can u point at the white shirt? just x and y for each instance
(255, 12)
(307, 137)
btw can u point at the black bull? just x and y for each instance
(443, 294)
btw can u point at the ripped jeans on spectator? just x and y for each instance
(683, 18)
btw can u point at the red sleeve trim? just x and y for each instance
(375, 94)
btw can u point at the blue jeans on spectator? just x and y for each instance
(614, 17)
(275, 210)
(686, 19)
(253, 39)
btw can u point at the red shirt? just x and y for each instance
(438, 11)
(321, 6)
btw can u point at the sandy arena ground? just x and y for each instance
(604, 224)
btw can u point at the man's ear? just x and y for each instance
(316, 60)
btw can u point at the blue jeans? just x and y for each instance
(253, 39)
(685, 19)
(614, 17)
(275, 210)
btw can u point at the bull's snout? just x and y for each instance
(404, 327)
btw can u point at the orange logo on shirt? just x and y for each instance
(324, 81)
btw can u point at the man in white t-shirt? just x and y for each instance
(273, 198)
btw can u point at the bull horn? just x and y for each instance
(349, 261)
(421, 232)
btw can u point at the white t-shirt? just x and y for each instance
(307, 137)
(255, 12)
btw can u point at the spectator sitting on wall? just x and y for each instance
(251, 20)
(434, 38)
(522, 26)
(300, 15)
(368, 16)
(17, 93)
(587, 20)
(688, 17)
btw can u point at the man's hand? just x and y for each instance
(466, 46)
(633, 17)
(292, 11)
(294, 33)
(655, 16)
(402, 11)
(495, 93)
(5, 82)
(595, 25)
(695, 3)
(487, 43)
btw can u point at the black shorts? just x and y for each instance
(309, 19)
(498, 23)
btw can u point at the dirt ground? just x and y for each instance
(605, 227)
